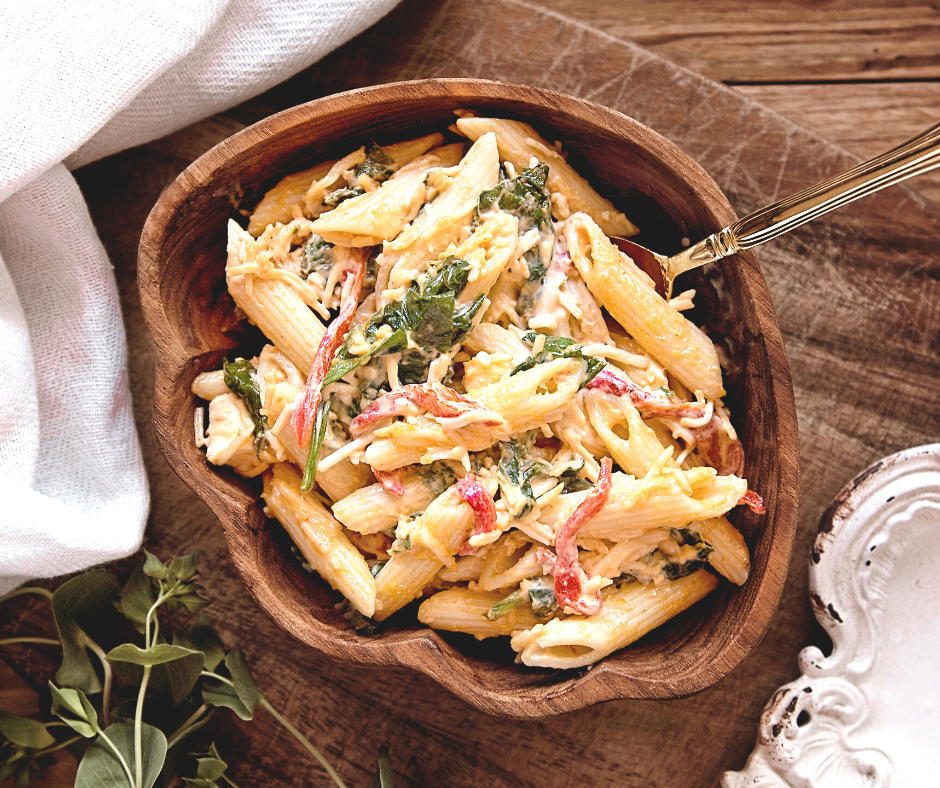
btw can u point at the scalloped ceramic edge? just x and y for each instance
(485, 685)
(868, 714)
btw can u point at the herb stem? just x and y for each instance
(108, 674)
(27, 590)
(184, 729)
(300, 737)
(120, 757)
(66, 743)
(153, 608)
(44, 641)
(229, 781)
(138, 727)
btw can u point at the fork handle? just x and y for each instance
(914, 157)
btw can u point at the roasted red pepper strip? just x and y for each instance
(484, 510)
(304, 416)
(390, 481)
(436, 399)
(722, 452)
(718, 449)
(646, 403)
(567, 569)
(752, 499)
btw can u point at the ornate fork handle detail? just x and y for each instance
(915, 157)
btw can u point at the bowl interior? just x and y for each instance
(663, 192)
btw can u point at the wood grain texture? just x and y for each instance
(743, 42)
(857, 297)
(866, 119)
(182, 285)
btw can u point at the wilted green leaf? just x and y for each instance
(191, 600)
(74, 709)
(177, 678)
(183, 568)
(204, 638)
(24, 731)
(241, 677)
(384, 778)
(217, 693)
(155, 655)
(209, 768)
(73, 600)
(100, 768)
(154, 567)
(137, 598)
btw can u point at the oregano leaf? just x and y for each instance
(183, 568)
(154, 567)
(101, 768)
(73, 600)
(204, 638)
(245, 685)
(74, 709)
(24, 731)
(155, 655)
(384, 777)
(137, 598)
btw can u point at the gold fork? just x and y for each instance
(915, 157)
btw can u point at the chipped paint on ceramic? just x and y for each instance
(866, 715)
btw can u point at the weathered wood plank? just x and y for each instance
(739, 41)
(866, 119)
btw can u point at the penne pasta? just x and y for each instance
(320, 538)
(628, 613)
(463, 610)
(493, 410)
(627, 294)
(519, 143)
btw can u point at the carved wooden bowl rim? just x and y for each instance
(714, 640)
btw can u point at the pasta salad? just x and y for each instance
(471, 397)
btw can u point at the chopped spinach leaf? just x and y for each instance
(341, 195)
(452, 274)
(515, 472)
(377, 164)
(427, 315)
(345, 362)
(239, 376)
(505, 605)
(573, 482)
(437, 477)
(316, 444)
(542, 599)
(525, 196)
(377, 567)
(673, 570)
(558, 347)
(317, 256)
(363, 625)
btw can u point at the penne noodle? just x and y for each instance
(628, 614)
(462, 610)
(519, 143)
(320, 538)
(625, 291)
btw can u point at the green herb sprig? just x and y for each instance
(128, 712)
(558, 347)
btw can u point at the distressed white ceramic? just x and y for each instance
(868, 714)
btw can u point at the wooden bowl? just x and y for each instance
(182, 286)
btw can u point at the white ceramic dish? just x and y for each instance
(869, 713)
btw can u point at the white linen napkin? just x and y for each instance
(83, 79)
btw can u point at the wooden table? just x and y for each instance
(863, 74)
